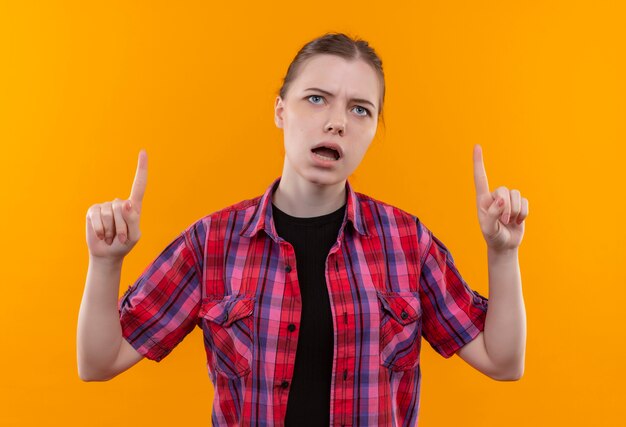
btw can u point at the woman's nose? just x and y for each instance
(337, 120)
(336, 125)
(335, 128)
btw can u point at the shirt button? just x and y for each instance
(404, 315)
(291, 327)
(288, 268)
(284, 384)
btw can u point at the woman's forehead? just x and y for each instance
(335, 74)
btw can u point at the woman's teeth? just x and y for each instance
(324, 157)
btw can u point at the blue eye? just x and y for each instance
(314, 96)
(367, 112)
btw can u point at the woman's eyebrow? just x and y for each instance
(325, 92)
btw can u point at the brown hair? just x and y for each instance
(343, 46)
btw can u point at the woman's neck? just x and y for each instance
(304, 199)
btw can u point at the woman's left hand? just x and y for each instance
(501, 213)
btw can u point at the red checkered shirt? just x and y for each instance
(390, 281)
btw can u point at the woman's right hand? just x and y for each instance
(113, 227)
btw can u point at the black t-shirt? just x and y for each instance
(309, 396)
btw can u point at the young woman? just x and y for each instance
(312, 298)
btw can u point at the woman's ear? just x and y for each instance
(278, 112)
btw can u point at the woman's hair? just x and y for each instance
(343, 46)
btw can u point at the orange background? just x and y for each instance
(540, 85)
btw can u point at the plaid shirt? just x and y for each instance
(390, 282)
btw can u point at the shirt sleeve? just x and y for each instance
(453, 314)
(161, 307)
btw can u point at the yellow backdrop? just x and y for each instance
(540, 85)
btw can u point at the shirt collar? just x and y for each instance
(262, 218)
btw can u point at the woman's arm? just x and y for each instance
(501, 215)
(499, 351)
(102, 351)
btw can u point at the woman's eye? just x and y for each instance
(315, 96)
(364, 109)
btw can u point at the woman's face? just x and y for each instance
(332, 100)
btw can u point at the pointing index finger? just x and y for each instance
(480, 176)
(141, 178)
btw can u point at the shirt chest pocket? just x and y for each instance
(228, 326)
(400, 329)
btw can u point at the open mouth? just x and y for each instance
(326, 153)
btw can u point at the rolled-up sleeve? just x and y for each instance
(161, 307)
(453, 313)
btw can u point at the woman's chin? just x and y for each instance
(325, 178)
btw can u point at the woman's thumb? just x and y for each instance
(129, 214)
(495, 209)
